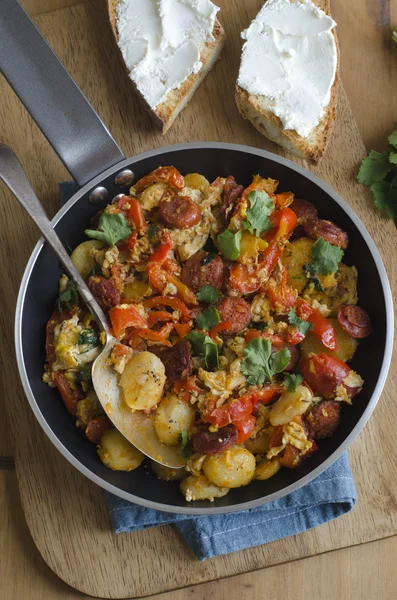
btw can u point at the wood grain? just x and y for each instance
(124, 565)
(360, 572)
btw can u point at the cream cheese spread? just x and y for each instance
(161, 41)
(290, 57)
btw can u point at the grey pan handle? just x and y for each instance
(59, 108)
(15, 178)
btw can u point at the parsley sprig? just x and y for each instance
(69, 297)
(112, 228)
(292, 381)
(300, 324)
(325, 258)
(257, 217)
(202, 345)
(379, 172)
(260, 364)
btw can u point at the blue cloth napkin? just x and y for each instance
(329, 496)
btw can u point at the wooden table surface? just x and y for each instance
(369, 74)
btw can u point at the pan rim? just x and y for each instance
(388, 347)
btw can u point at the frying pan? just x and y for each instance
(97, 164)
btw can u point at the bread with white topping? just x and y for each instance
(166, 112)
(258, 110)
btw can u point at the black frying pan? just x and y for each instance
(95, 161)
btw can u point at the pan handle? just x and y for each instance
(60, 109)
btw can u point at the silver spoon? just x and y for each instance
(135, 426)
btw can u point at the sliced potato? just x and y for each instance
(167, 473)
(151, 197)
(343, 291)
(82, 256)
(347, 345)
(116, 452)
(267, 468)
(196, 181)
(172, 417)
(230, 469)
(296, 255)
(137, 290)
(198, 487)
(143, 381)
(290, 405)
(260, 443)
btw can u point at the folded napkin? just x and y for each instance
(331, 495)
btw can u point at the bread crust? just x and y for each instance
(165, 113)
(311, 148)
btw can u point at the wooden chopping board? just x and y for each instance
(65, 512)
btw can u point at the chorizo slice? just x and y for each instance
(179, 212)
(304, 210)
(203, 268)
(235, 310)
(323, 419)
(207, 442)
(176, 359)
(354, 320)
(316, 228)
(232, 191)
(104, 292)
(96, 428)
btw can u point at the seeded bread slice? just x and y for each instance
(257, 109)
(166, 112)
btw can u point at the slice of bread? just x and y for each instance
(257, 109)
(165, 113)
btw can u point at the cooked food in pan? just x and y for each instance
(236, 320)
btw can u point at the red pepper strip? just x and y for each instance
(157, 277)
(281, 295)
(294, 338)
(121, 203)
(120, 350)
(185, 387)
(158, 315)
(70, 395)
(276, 340)
(268, 258)
(174, 303)
(222, 326)
(135, 214)
(168, 175)
(183, 292)
(245, 427)
(322, 328)
(284, 222)
(283, 199)
(160, 253)
(156, 336)
(132, 241)
(183, 329)
(122, 317)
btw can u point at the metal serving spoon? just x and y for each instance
(135, 426)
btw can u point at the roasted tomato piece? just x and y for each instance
(323, 373)
(354, 320)
(168, 175)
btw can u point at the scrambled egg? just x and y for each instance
(221, 383)
(70, 354)
(353, 380)
(293, 434)
(261, 309)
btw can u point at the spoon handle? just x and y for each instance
(15, 178)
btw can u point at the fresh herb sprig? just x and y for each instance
(112, 228)
(379, 172)
(260, 364)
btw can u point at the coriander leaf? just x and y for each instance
(279, 361)
(385, 198)
(202, 345)
(112, 228)
(374, 168)
(260, 326)
(292, 381)
(208, 318)
(84, 373)
(257, 217)
(229, 244)
(302, 326)
(393, 158)
(95, 271)
(209, 294)
(88, 336)
(152, 231)
(325, 258)
(260, 364)
(69, 297)
(393, 137)
(183, 440)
